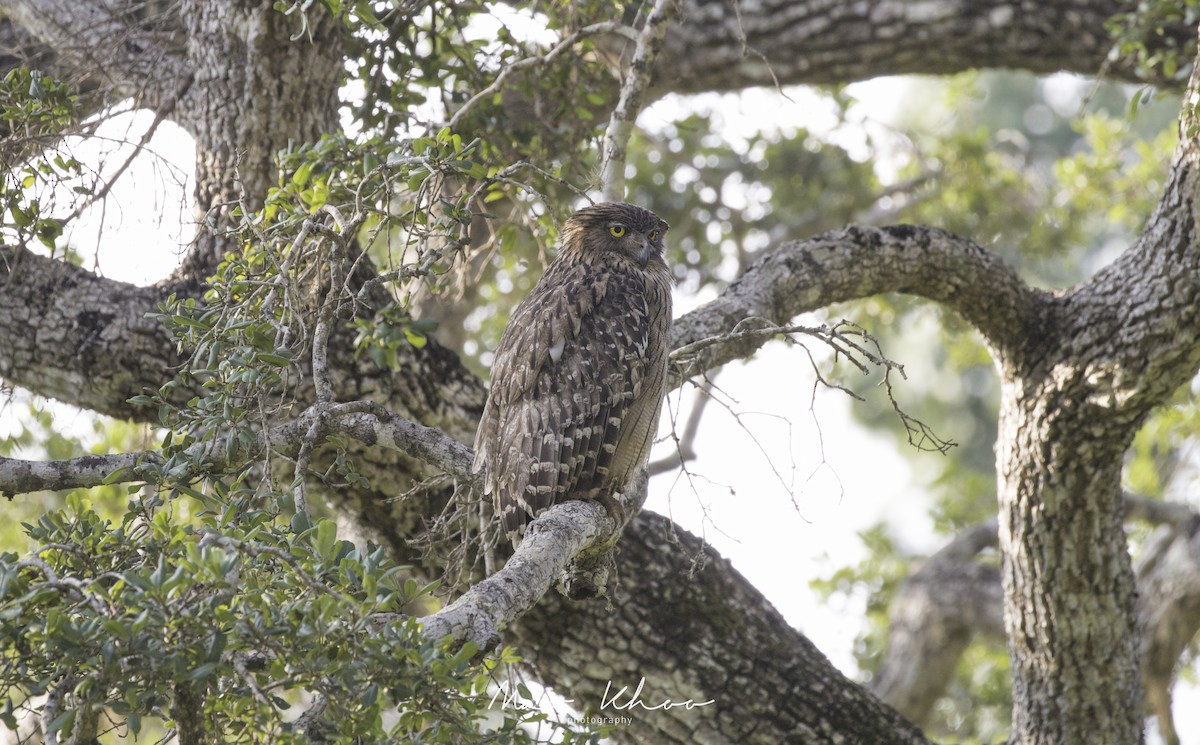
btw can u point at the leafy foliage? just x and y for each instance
(254, 621)
(32, 106)
(215, 598)
(1131, 31)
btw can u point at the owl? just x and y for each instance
(579, 375)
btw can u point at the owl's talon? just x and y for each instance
(613, 507)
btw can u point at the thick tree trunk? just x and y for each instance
(253, 91)
(1074, 393)
(1067, 578)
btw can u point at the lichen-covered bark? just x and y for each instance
(1072, 400)
(105, 51)
(1069, 591)
(83, 339)
(717, 45)
(801, 276)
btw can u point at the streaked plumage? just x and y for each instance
(578, 378)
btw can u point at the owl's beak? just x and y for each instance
(643, 254)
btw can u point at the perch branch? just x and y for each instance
(551, 541)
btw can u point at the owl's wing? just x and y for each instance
(570, 362)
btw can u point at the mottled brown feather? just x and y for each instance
(578, 377)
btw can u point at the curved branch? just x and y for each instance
(857, 262)
(695, 634)
(1150, 295)
(795, 278)
(106, 51)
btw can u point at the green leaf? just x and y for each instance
(300, 177)
(202, 672)
(415, 338)
(21, 217)
(114, 476)
(216, 646)
(326, 538)
(300, 523)
(63, 721)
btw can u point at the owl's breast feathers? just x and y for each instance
(577, 386)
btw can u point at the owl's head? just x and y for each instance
(616, 230)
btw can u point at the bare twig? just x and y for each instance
(684, 443)
(848, 340)
(160, 115)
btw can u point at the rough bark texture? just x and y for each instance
(71, 335)
(707, 636)
(1072, 399)
(269, 91)
(952, 599)
(1067, 579)
(1081, 369)
(724, 45)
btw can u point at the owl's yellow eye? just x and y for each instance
(617, 231)
(653, 235)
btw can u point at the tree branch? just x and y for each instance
(1168, 610)
(607, 27)
(556, 537)
(933, 617)
(796, 277)
(365, 421)
(106, 51)
(1150, 293)
(69, 334)
(690, 627)
(633, 94)
(727, 46)
(856, 262)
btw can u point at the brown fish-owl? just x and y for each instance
(579, 376)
